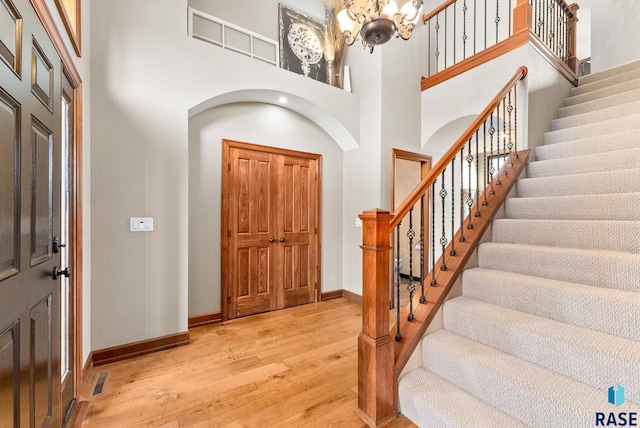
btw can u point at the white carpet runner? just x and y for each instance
(550, 320)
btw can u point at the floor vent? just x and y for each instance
(100, 384)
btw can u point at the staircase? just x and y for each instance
(551, 317)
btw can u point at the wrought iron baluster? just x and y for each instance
(497, 19)
(493, 128)
(462, 201)
(429, 49)
(423, 299)
(492, 170)
(411, 288)
(470, 200)
(477, 214)
(445, 38)
(433, 234)
(510, 30)
(397, 281)
(454, 30)
(515, 120)
(464, 30)
(485, 24)
(485, 173)
(475, 25)
(452, 252)
(504, 132)
(510, 145)
(443, 238)
(437, 43)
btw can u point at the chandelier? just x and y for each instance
(377, 21)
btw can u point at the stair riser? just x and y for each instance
(602, 103)
(613, 270)
(622, 77)
(565, 349)
(618, 111)
(605, 74)
(586, 235)
(592, 307)
(603, 93)
(598, 162)
(586, 146)
(535, 396)
(430, 401)
(628, 123)
(623, 181)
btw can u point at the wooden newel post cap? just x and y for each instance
(375, 214)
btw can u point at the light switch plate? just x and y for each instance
(141, 224)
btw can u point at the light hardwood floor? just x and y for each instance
(290, 368)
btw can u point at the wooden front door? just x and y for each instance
(270, 227)
(30, 123)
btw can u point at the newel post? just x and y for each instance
(572, 61)
(522, 16)
(376, 379)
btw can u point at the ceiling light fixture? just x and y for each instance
(377, 21)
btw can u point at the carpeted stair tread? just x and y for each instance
(586, 355)
(605, 74)
(619, 88)
(614, 206)
(613, 112)
(620, 124)
(601, 103)
(603, 143)
(621, 77)
(616, 181)
(611, 311)
(595, 162)
(431, 401)
(609, 269)
(534, 395)
(621, 236)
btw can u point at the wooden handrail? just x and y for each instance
(427, 16)
(454, 150)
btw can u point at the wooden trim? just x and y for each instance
(427, 16)
(74, 29)
(86, 371)
(79, 413)
(413, 331)
(517, 40)
(336, 294)
(50, 27)
(352, 297)
(135, 349)
(205, 319)
(425, 167)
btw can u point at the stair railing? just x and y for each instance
(453, 205)
(463, 34)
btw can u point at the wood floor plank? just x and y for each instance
(291, 368)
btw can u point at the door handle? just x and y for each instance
(57, 273)
(281, 239)
(272, 240)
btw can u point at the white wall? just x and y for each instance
(614, 32)
(144, 82)
(259, 124)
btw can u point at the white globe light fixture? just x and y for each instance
(377, 21)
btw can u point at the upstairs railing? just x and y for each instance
(454, 204)
(463, 34)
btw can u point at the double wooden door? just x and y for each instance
(30, 171)
(270, 228)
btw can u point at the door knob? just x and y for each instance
(57, 273)
(272, 240)
(281, 239)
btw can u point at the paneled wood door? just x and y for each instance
(270, 228)
(30, 129)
